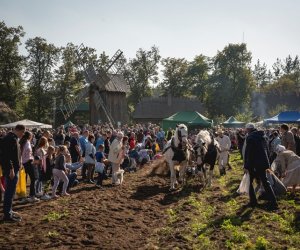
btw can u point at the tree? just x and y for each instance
(140, 72)
(231, 82)
(11, 64)
(175, 80)
(69, 79)
(277, 68)
(198, 74)
(41, 60)
(260, 74)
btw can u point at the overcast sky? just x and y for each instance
(178, 28)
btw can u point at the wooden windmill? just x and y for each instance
(106, 90)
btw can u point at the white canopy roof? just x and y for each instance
(27, 124)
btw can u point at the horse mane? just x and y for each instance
(203, 135)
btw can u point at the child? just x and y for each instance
(100, 158)
(59, 172)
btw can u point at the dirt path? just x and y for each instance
(113, 218)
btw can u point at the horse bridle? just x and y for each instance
(180, 136)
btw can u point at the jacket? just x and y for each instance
(256, 151)
(115, 151)
(11, 153)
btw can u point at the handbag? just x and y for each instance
(21, 185)
(244, 185)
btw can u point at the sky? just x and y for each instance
(181, 29)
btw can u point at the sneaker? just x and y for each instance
(91, 181)
(45, 197)
(39, 194)
(66, 194)
(12, 219)
(23, 201)
(33, 199)
(15, 214)
(54, 196)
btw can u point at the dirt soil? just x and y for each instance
(123, 217)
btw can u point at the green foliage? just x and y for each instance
(277, 109)
(11, 65)
(41, 60)
(140, 72)
(175, 82)
(261, 243)
(53, 216)
(231, 82)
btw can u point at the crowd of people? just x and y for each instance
(54, 158)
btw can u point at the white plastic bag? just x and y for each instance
(244, 185)
(99, 168)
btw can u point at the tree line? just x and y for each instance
(224, 83)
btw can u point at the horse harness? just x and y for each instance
(180, 153)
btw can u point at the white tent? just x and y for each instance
(27, 124)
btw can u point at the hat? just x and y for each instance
(250, 126)
(120, 134)
(280, 149)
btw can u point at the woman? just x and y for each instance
(41, 152)
(290, 165)
(60, 172)
(27, 159)
(90, 160)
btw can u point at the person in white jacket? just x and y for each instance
(116, 156)
(225, 144)
(90, 158)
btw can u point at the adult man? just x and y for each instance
(11, 164)
(75, 148)
(256, 162)
(287, 138)
(297, 140)
(83, 140)
(224, 144)
(115, 156)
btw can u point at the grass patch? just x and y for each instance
(53, 216)
(53, 234)
(216, 218)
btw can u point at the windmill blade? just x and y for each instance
(73, 104)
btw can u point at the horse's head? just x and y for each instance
(201, 146)
(181, 134)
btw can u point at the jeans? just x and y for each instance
(10, 189)
(29, 169)
(100, 178)
(38, 182)
(262, 176)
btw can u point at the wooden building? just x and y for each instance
(155, 109)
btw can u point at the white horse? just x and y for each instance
(206, 149)
(178, 147)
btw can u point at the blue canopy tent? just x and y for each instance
(284, 117)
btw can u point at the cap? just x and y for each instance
(250, 125)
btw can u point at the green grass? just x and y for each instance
(218, 220)
(52, 234)
(53, 216)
